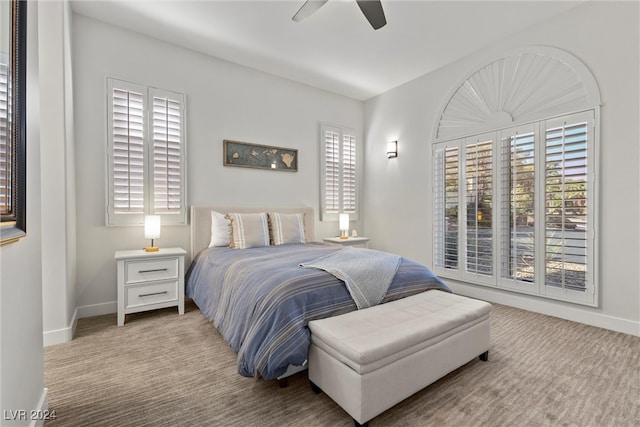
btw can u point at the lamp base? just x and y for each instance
(344, 237)
(151, 249)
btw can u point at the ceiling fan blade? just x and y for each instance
(372, 10)
(308, 8)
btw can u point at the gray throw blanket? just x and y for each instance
(366, 273)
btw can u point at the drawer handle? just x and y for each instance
(152, 294)
(152, 271)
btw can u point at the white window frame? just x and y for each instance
(177, 215)
(513, 283)
(464, 214)
(347, 173)
(587, 297)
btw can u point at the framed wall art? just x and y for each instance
(248, 155)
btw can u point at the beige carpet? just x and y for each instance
(162, 369)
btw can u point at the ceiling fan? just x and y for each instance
(372, 10)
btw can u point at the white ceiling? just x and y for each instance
(335, 49)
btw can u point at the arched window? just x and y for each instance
(515, 156)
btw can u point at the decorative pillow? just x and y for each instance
(249, 230)
(220, 230)
(286, 228)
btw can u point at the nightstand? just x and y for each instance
(150, 280)
(351, 241)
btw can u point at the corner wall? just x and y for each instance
(224, 100)
(58, 174)
(21, 353)
(603, 35)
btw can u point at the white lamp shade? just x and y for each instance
(152, 226)
(344, 222)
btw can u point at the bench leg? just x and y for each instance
(484, 356)
(315, 388)
(318, 390)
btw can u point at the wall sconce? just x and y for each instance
(392, 149)
(344, 226)
(152, 231)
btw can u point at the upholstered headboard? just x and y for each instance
(201, 221)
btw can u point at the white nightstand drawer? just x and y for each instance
(154, 269)
(156, 293)
(149, 280)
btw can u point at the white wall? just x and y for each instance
(58, 174)
(603, 35)
(21, 352)
(223, 101)
(229, 101)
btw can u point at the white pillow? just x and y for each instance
(220, 230)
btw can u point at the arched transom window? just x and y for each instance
(515, 156)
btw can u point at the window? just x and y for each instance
(567, 199)
(147, 154)
(6, 158)
(525, 194)
(13, 128)
(515, 177)
(517, 207)
(339, 190)
(478, 172)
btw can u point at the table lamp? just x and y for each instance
(152, 231)
(344, 226)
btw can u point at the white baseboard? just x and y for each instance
(550, 308)
(97, 309)
(42, 411)
(59, 336)
(63, 335)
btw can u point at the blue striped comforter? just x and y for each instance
(260, 300)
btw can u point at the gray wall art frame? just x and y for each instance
(248, 155)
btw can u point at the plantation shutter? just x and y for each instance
(339, 188)
(331, 171)
(566, 204)
(479, 206)
(167, 155)
(147, 154)
(6, 168)
(349, 173)
(533, 229)
(517, 211)
(128, 151)
(446, 168)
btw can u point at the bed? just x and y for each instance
(260, 299)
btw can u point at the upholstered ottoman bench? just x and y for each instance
(371, 359)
